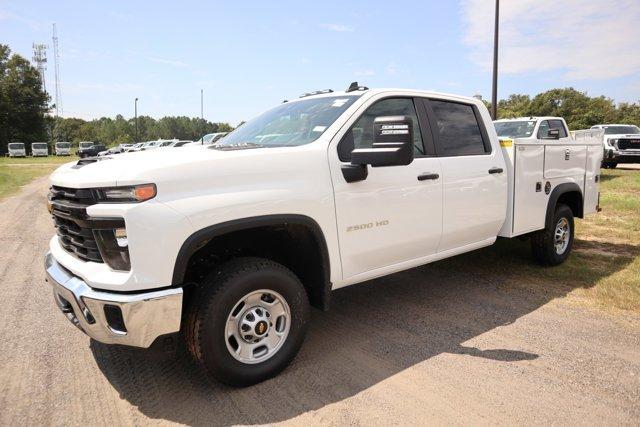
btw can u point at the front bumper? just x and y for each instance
(112, 318)
(621, 156)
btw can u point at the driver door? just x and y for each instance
(394, 216)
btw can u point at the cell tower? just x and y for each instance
(40, 59)
(56, 62)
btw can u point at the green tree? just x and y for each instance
(23, 102)
(514, 106)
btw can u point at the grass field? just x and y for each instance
(16, 172)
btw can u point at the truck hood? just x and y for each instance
(622, 135)
(170, 165)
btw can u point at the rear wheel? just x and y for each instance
(248, 321)
(552, 245)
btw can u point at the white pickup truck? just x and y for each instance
(230, 244)
(621, 144)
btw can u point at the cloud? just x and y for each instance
(10, 16)
(164, 61)
(364, 73)
(339, 28)
(585, 40)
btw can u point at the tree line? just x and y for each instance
(116, 131)
(579, 110)
(25, 113)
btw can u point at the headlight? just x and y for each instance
(613, 142)
(135, 193)
(114, 248)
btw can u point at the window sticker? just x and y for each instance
(319, 129)
(339, 102)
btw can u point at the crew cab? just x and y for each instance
(63, 148)
(230, 244)
(621, 144)
(39, 149)
(17, 149)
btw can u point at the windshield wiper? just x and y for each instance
(238, 146)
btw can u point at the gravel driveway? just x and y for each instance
(427, 345)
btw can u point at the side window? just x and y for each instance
(458, 129)
(543, 129)
(557, 124)
(361, 133)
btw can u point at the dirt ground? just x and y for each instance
(430, 345)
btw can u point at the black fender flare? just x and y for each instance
(559, 190)
(196, 240)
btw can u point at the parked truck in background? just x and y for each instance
(17, 149)
(621, 144)
(63, 148)
(231, 243)
(39, 149)
(84, 148)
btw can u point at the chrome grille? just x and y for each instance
(625, 144)
(73, 226)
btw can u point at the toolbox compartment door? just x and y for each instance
(564, 160)
(592, 179)
(530, 200)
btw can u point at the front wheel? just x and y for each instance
(552, 245)
(248, 321)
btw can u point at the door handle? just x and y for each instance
(426, 176)
(495, 170)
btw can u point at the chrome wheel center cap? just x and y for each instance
(254, 324)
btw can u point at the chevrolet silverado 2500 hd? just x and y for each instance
(230, 244)
(621, 144)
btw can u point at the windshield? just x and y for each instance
(16, 146)
(618, 130)
(515, 129)
(86, 144)
(63, 145)
(39, 145)
(289, 124)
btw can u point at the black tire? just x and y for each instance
(220, 292)
(543, 242)
(613, 165)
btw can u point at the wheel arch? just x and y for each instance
(568, 193)
(319, 292)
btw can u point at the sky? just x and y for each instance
(249, 56)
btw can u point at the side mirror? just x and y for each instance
(553, 134)
(392, 143)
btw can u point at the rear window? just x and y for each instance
(458, 128)
(546, 125)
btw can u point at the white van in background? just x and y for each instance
(16, 149)
(63, 149)
(39, 149)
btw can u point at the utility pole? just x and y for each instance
(202, 112)
(135, 107)
(494, 88)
